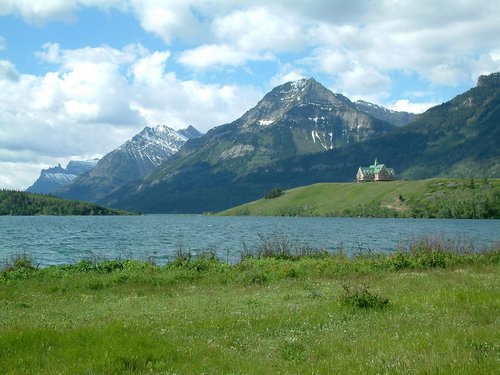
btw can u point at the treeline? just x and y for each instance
(28, 204)
(462, 200)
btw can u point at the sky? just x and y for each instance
(80, 77)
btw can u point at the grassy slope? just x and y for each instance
(333, 199)
(259, 317)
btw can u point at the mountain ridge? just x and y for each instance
(456, 139)
(398, 118)
(54, 178)
(296, 118)
(131, 161)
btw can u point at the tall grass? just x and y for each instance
(274, 313)
(274, 258)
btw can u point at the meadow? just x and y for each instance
(429, 308)
(432, 198)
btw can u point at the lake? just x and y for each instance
(52, 240)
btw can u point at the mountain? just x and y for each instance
(54, 178)
(190, 132)
(141, 155)
(132, 161)
(393, 117)
(294, 119)
(458, 138)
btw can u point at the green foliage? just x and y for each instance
(18, 266)
(438, 252)
(436, 198)
(281, 247)
(273, 193)
(260, 316)
(372, 209)
(22, 203)
(361, 297)
(458, 200)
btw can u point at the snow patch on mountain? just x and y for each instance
(54, 178)
(154, 144)
(326, 143)
(141, 155)
(266, 122)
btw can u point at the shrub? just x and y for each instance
(360, 296)
(278, 247)
(18, 266)
(273, 193)
(19, 261)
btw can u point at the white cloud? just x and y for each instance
(8, 71)
(287, 73)
(179, 103)
(51, 53)
(82, 111)
(260, 29)
(94, 99)
(90, 99)
(365, 82)
(17, 175)
(150, 69)
(167, 19)
(406, 106)
(449, 75)
(216, 56)
(40, 12)
(329, 61)
(438, 41)
(241, 36)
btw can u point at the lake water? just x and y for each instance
(67, 239)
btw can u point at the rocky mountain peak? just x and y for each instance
(491, 80)
(303, 95)
(190, 132)
(139, 156)
(398, 118)
(54, 178)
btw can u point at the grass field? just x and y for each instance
(421, 310)
(423, 198)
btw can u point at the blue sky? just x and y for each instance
(80, 77)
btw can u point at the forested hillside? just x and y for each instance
(22, 203)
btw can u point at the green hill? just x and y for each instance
(28, 204)
(434, 198)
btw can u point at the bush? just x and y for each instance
(359, 296)
(18, 266)
(274, 193)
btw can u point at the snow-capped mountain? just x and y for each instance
(294, 119)
(398, 118)
(132, 161)
(141, 155)
(314, 113)
(299, 117)
(54, 178)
